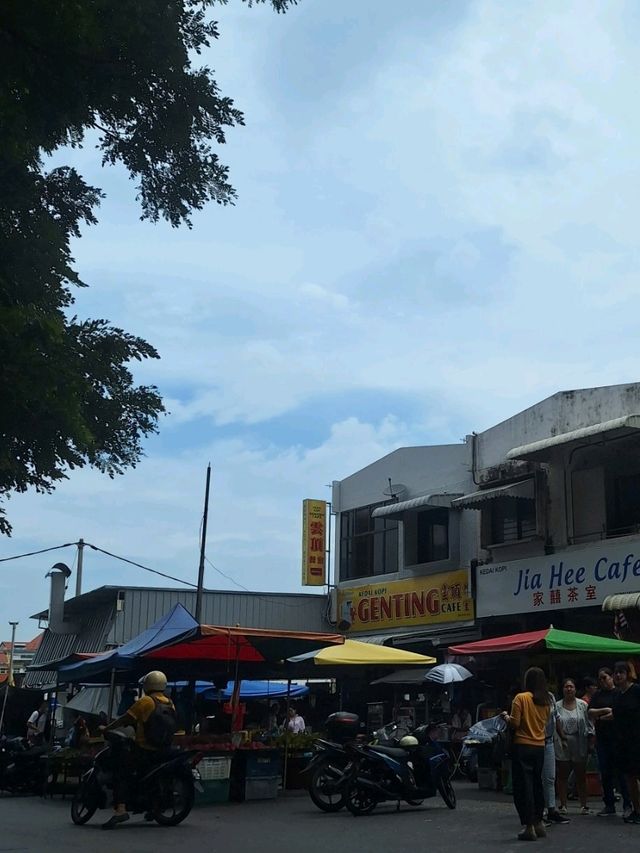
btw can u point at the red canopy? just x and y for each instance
(246, 645)
(511, 643)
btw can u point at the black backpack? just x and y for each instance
(161, 725)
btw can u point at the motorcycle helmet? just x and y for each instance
(408, 740)
(154, 682)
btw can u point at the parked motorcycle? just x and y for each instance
(329, 769)
(22, 767)
(414, 770)
(165, 793)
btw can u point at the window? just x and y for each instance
(623, 514)
(368, 546)
(512, 520)
(426, 536)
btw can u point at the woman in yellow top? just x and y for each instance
(529, 714)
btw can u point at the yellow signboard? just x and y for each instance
(397, 604)
(314, 538)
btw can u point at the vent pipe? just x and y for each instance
(58, 574)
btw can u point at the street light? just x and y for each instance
(10, 676)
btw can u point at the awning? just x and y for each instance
(442, 499)
(539, 450)
(622, 601)
(550, 638)
(437, 636)
(403, 676)
(523, 491)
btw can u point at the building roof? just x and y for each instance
(108, 594)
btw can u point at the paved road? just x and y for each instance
(483, 822)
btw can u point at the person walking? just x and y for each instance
(530, 711)
(572, 746)
(600, 713)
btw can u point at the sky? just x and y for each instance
(434, 230)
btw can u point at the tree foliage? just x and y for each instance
(124, 70)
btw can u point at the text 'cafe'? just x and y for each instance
(397, 604)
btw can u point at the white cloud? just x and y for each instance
(456, 223)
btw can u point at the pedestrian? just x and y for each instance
(36, 724)
(572, 745)
(295, 723)
(589, 688)
(600, 713)
(549, 767)
(529, 715)
(626, 722)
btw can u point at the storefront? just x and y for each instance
(425, 614)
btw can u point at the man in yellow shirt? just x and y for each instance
(154, 718)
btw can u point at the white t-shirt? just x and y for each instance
(296, 724)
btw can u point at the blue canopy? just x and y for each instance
(248, 689)
(176, 625)
(262, 690)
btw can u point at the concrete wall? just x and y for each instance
(422, 470)
(563, 412)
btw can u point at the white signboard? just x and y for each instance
(578, 578)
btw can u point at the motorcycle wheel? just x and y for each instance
(174, 800)
(321, 792)
(82, 806)
(447, 792)
(359, 800)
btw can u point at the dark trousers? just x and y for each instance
(610, 775)
(526, 772)
(129, 763)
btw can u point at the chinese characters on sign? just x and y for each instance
(577, 577)
(314, 529)
(420, 601)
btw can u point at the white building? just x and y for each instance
(539, 517)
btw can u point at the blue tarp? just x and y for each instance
(176, 625)
(248, 690)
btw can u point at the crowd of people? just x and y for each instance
(552, 740)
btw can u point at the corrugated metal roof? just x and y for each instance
(287, 611)
(92, 637)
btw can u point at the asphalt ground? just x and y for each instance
(483, 821)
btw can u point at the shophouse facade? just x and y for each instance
(533, 521)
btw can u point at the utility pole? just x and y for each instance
(203, 544)
(10, 676)
(79, 569)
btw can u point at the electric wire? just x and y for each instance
(33, 553)
(140, 566)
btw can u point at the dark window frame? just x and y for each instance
(508, 521)
(368, 546)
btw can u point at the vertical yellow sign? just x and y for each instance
(314, 539)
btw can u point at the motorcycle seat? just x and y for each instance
(392, 752)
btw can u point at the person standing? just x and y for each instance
(295, 723)
(529, 715)
(572, 746)
(600, 713)
(36, 724)
(549, 767)
(626, 722)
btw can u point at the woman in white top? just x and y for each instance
(295, 723)
(572, 746)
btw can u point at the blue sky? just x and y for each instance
(436, 227)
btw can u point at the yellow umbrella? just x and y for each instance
(354, 653)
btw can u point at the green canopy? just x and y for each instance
(549, 638)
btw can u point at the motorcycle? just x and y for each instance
(22, 768)
(165, 793)
(329, 769)
(414, 770)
